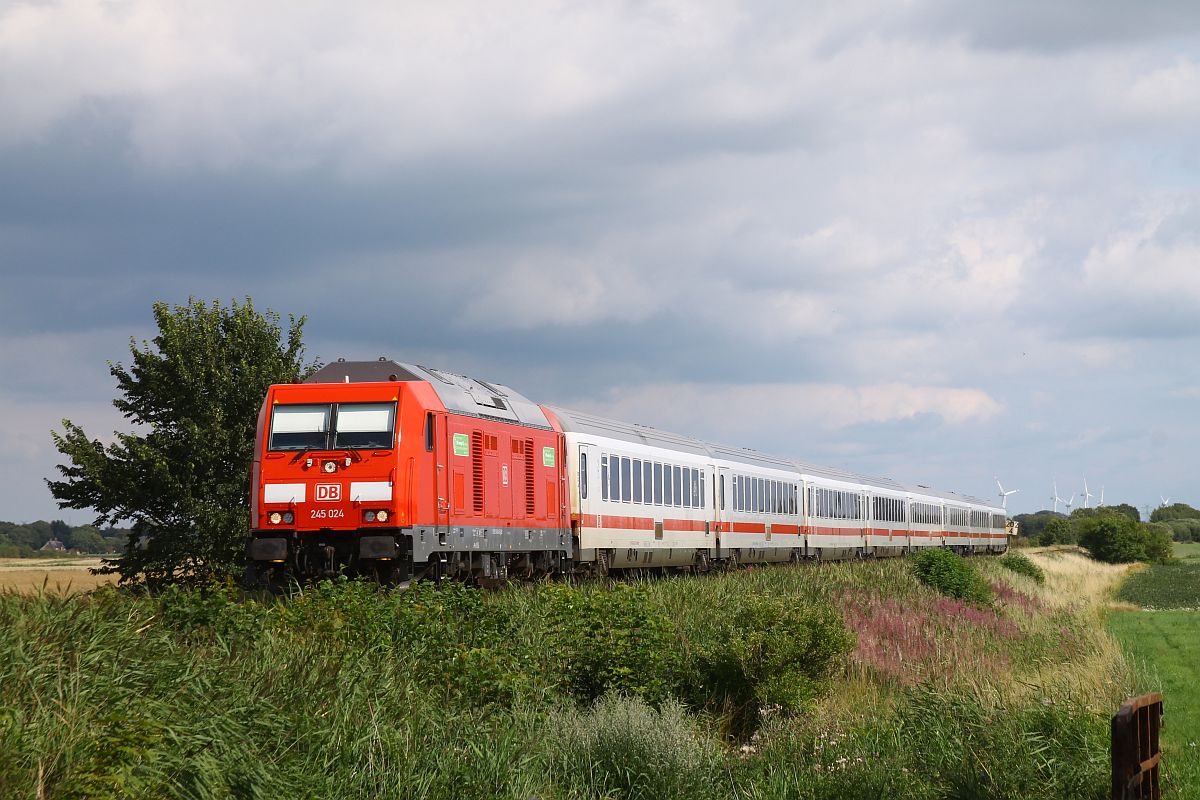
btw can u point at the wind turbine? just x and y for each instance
(1101, 495)
(1166, 501)
(1056, 498)
(1004, 495)
(1087, 496)
(1069, 503)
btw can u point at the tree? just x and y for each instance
(1056, 531)
(1112, 538)
(182, 478)
(1174, 511)
(1127, 510)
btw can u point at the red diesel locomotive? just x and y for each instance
(400, 471)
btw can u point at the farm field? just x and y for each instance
(843, 680)
(1163, 645)
(58, 575)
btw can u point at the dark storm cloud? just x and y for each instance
(1054, 27)
(684, 214)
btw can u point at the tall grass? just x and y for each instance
(764, 683)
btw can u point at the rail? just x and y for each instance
(1136, 756)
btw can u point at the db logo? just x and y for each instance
(328, 492)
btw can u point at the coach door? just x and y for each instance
(725, 513)
(585, 484)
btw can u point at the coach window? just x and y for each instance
(737, 492)
(658, 492)
(703, 500)
(677, 484)
(647, 482)
(604, 476)
(668, 495)
(625, 487)
(637, 480)
(694, 483)
(721, 493)
(583, 476)
(614, 478)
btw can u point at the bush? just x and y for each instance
(610, 639)
(1117, 539)
(622, 747)
(1020, 564)
(760, 651)
(951, 575)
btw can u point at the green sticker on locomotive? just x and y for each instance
(547, 456)
(462, 445)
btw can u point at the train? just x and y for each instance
(400, 472)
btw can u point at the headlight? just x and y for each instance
(382, 516)
(288, 517)
(275, 517)
(369, 516)
(330, 467)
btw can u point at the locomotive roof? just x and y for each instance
(458, 393)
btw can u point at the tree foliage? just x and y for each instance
(182, 475)
(1174, 511)
(1117, 539)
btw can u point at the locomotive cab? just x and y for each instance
(326, 495)
(394, 470)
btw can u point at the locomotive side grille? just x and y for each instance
(477, 470)
(529, 506)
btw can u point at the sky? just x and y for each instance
(938, 241)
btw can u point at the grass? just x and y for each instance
(348, 691)
(1186, 550)
(1159, 629)
(1165, 649)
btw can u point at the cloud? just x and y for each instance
(787, 410)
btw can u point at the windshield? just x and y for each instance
(337, 426)
(364, 425)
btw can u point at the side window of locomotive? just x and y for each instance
(429, 432)
(365, 425)
(299, 427)
(583, 476)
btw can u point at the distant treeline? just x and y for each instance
(22, 540)
(1179, 520)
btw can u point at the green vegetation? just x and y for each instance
(1164, 586)
(1116, 539)
(1020, 564)
(25, 540)
(951, 575)
(1164, 647)
(1174, 511)
(669, 688)
(183, 478)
